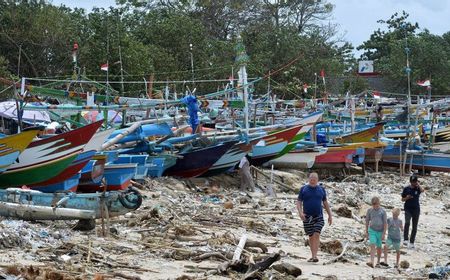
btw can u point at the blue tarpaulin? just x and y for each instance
(191, 103)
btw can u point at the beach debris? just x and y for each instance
(404, 264)
(334, 247)
(344, 211)
(228, 205)
(288, 269)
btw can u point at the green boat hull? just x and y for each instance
(289, 147)
(35, 174)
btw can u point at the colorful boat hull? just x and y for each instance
(335, 158)
(271, 145)
(229, 160)
(117, 177)
(75, 166)
(360, 136)
(195, 163)
(298, 158)
(69, 185)
(48, 157)
(426, 160)
(93, 172)
(12, 146)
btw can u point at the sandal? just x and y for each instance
(310, 260)
(384, 264)
(315, 260)
(370, 264)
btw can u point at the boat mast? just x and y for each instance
(408, 73)
(242, 59)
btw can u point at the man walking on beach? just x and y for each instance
(309, 206)
(410, 196)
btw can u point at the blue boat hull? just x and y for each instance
(118, 203)
(427, 161)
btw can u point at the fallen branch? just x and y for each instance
(121, 275)
(239, 248)
(253, 270)
(257, 244)
(210, 255)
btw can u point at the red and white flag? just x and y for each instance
(425, 83)
(322, 74)
(305, 88)
(104, 67)
(376, 94)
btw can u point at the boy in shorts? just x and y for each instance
(395, 225)
(376, 225)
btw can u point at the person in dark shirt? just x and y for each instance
(410, 196)
(309, 206)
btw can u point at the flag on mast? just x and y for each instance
(376, 94)
(104, 67)
(425, 83)
(305, 87)
(322, 74)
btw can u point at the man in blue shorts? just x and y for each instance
(309, 206)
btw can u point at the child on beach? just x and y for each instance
(395, 225)
(376, 225)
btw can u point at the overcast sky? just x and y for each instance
(357, 18)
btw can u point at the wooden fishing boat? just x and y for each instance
(335, 158)
(35, 205)
(12, 146)
(360, 136)
(68, 185)
(74, 167)
(271, 145)
(139, 160)
(46, 158)
(197, 161)
(117, 177)
(301, 158)
(156, 165)
(230, 159)
(422, 160)
(93, 172)
(342, 155)
(308, 122)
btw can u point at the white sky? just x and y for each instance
(358, 18)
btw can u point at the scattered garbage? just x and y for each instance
(194, 230)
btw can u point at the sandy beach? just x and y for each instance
(184, 230)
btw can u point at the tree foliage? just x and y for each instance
(155, 37)
(429, 54)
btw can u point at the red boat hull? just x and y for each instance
(69, 172)
(337, 159)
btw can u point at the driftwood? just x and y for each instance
(253, 270)
(239, 248)
(339, 257)
(210, 255)
(137, 185)
(288, 269)
(124, 276)
(256, 244)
